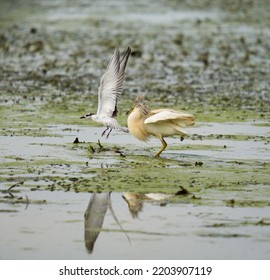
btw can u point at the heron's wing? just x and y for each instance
(163, 115)
(110, 87)
(94, 217)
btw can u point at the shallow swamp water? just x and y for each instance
(207, 197)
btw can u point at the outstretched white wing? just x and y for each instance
(94, 217)
(111, 82)
(161, 115)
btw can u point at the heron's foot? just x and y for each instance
(157, 155)
(164, 145)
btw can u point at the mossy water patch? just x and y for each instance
(121, 172)
(195, 147)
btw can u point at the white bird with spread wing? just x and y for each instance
(109, 92)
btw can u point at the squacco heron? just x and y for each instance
(144, 123)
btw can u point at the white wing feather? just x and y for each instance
(165, 115)
(111, 82)
(94, 217)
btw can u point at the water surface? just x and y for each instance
(162, 230)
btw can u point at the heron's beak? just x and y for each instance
(83, 117)
(124, 197)
(126, 200)
(128, 112)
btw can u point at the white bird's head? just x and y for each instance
(90, 116)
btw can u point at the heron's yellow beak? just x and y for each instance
(128, 112)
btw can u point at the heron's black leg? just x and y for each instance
(103, 133)
(109, 132)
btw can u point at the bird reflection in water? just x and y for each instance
(136, 201)
(94, 218)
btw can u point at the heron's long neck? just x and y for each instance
(136, 124)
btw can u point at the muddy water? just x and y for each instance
(35, 221)
(207, 197)
(162, 230)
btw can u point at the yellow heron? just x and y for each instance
(144, 122)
